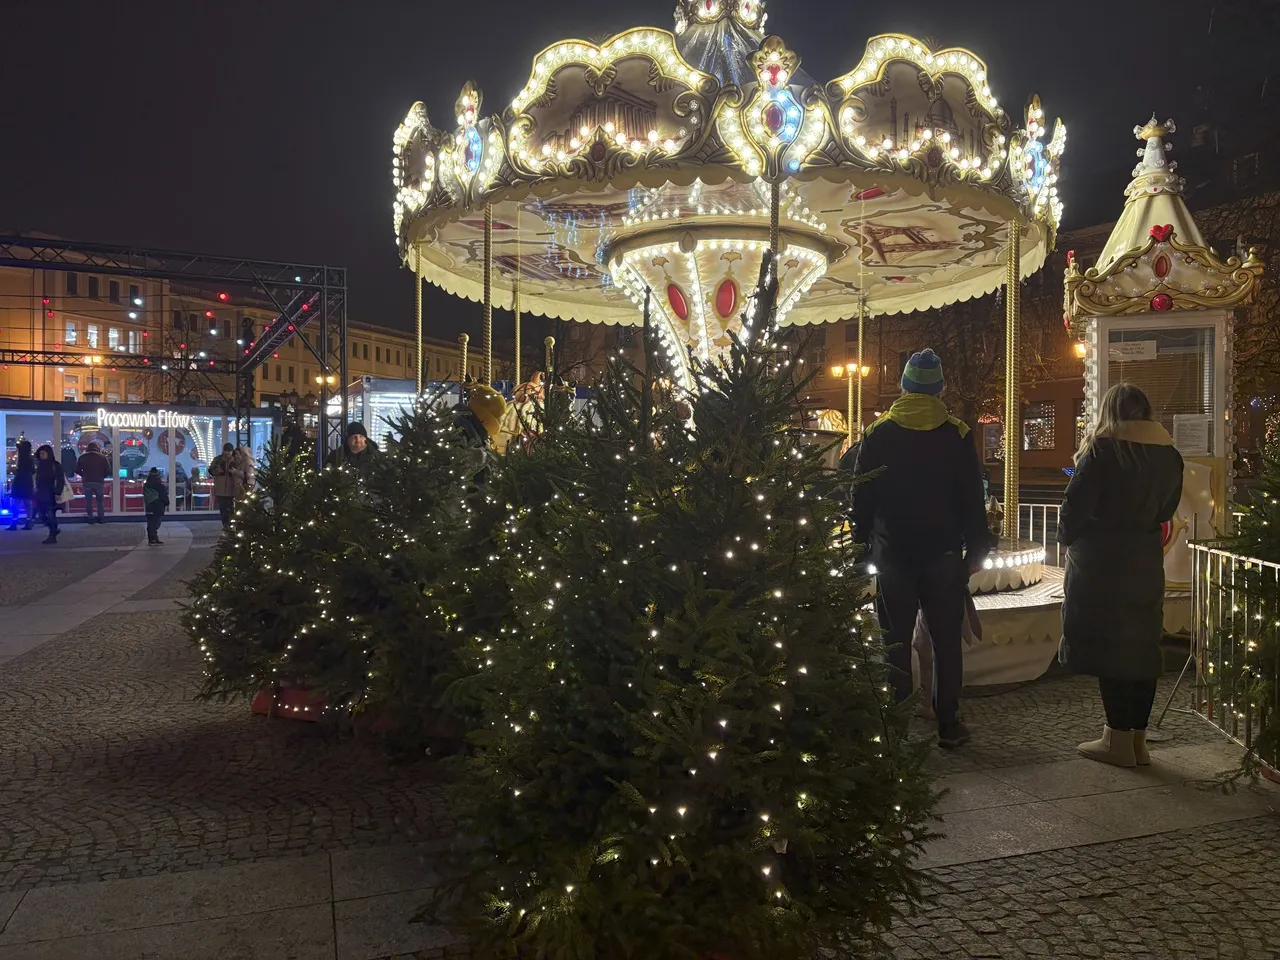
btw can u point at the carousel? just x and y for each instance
(643, 178)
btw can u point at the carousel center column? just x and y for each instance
(1012, 384)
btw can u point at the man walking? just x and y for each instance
(918, 504)
(93, 469)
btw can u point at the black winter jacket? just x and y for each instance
(926, 499)
(1124, 488)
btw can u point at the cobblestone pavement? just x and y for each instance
(109, 768)
(29, 570)
(1043, 722)
(1189, 895)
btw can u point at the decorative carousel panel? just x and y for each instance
(633, 100)
(887, 238)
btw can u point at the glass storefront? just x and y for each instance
(180, 442)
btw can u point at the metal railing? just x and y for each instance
(1235, 625)
(1038, 522)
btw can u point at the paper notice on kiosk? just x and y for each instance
(1128, 350)
(1191, 434)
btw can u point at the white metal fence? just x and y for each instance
(1235, 626)
(1038, 522)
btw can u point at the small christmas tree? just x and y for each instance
(687, 747)
(278, 603)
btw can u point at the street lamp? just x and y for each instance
(849, 374)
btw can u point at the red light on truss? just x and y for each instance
(224, 298)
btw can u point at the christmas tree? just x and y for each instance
(1246, 610)
(687, 746)
(280, 603)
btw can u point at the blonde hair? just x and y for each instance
(1123, 403)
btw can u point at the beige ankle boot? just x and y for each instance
(1140, 752)
(1115, 747)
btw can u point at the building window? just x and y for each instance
(992, 442)
(134, 294)
(397, 358)
(193, 322)
(177, 320)
(113, 390)
(73, 334)
(365, 348)
(437, 364)
(135, 341)
(213, 326)
(291, 374)
(73, 284)
(71, 387)
(1038, 426)
(93, 288)
(113, 338)
(355, 350)
(278, 377)
(113, 291)
(92, 335)
(377, 354)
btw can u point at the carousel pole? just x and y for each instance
(463, 340)
(862, 319)
(1012, 383)
(855, 427)
(515, 300)
(417, 314)
(550, 344)
(488, 295)
(775, 198)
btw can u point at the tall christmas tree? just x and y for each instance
(687, 747)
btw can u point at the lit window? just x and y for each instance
(72, 336)
(113, 338)
(92, 335)
(1038, 426)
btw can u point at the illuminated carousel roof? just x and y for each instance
(1156, 259)
(648, 160)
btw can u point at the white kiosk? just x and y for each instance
(1157, 311)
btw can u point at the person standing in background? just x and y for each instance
(227, 482)
(155, 497)
(22, 488)
(918, 505)
(51, 482)
(93, 469)
(1127, 483)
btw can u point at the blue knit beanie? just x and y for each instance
(923, 374)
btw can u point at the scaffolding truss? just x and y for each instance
(305, 296)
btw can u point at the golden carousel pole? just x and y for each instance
(862, 319)
(515, 300)
(417, 313)
(487, 369)
(775, 197)
(1012, 383)
(550, 344)
(463, 340)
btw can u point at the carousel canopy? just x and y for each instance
(1156, 259)
(648, 161)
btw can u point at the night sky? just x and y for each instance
(263, 128)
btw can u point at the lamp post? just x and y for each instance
(853, 415)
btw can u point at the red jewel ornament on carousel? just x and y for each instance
(1162, 233)
(1161, 302)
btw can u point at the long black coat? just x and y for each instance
(1124, 488)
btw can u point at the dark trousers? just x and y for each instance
(94, 490)
(937, 588)
(49, 515)
(226, 507)
(1127, 702)
(153, 525)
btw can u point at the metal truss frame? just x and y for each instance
(304, 295)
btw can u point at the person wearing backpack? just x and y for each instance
(155, 497)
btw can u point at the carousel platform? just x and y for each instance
(1021, 630)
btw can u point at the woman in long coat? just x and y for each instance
(50, 483)
(1127, 484)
